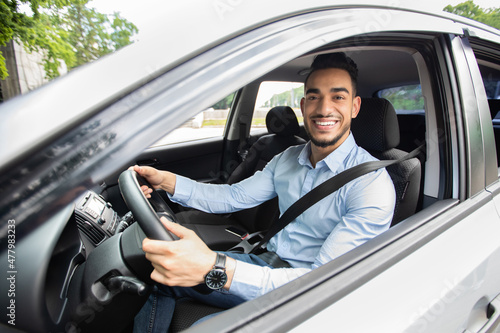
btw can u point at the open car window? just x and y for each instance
(405, 99)
(276, 93)
(209, 123)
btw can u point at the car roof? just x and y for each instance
(371, 61)
(178, 38)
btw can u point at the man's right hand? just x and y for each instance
(158, 179)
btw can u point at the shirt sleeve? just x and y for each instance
(370, 206)
(251, 281)
(223, 198)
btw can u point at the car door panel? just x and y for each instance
(457, 267)
(199, 160)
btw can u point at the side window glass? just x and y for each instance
(274, 93)
(208, 123)
(405, 99)
(410, 108)
(491, 81)
(489, 67)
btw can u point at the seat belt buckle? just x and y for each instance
(240, 233)
(248, 243)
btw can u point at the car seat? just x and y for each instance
(283, 126)
(376, 129)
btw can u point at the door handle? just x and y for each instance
(493, 315)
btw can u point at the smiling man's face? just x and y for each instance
(328, 106)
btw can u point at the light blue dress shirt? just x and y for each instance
(357, 212)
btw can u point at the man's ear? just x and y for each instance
(356, 105)
(302, 101)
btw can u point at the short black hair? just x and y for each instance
(336, 60)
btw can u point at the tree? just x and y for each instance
(489, 16)
(290, 97)
(224, 103)
(64, 30)
(405, 97)
(14, 24)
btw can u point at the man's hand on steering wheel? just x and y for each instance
(178, 255)
(158, 179)
(181, 263)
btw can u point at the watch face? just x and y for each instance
(216, 279)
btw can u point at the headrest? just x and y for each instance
(376, 127)
(282, 121)
(494, 107)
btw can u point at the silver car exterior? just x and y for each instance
(435, 272)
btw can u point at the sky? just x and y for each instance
(142, 13)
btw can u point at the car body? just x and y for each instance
(436, 271)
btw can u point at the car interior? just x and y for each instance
(384, 128)
(383, 131)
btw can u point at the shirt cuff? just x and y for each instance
(246, 280)
(183, 189)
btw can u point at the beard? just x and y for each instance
(328, 142)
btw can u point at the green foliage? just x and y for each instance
(224, 103)
(290, 97)
(405, 98)
(64, 30)
(3, 70)
(489, 16)
(14, 24)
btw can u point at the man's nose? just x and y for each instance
(325, 107)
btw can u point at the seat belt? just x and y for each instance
(320, 192)
(243, 145)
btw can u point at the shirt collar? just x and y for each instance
(335, 160)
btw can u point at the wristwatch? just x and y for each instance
(217, 277)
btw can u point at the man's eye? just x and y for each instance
(311, 98)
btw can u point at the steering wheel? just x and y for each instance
(146, 211)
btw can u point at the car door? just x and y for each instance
(448, 279)
(438, 270)
(450, 283)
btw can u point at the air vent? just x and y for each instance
(95, 234)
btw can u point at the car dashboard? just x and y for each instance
(97, 220)
(57, 260)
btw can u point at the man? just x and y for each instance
(347, 218)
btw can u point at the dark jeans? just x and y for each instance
(156, 314)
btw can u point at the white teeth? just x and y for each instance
(326, 123)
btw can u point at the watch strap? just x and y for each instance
(220, 261)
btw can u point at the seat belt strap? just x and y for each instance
(243, 145)
(326, 188)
